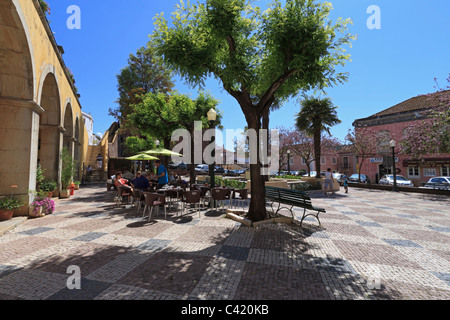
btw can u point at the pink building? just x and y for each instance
(391, 124)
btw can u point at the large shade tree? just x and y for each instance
(316, 116)
(258, 56)
(144, 73)
(159, 115)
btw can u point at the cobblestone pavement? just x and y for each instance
(372, 245)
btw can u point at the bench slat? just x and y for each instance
(293, 198)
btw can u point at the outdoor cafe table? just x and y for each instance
(178, 190)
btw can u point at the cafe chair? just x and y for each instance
(192, 197)
(154, 200)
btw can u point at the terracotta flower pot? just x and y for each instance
(6, 214)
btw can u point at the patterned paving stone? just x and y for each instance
(366, 249)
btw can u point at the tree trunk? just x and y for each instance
(192, 165)
(317, 136)
(257, 210)
(265, 125)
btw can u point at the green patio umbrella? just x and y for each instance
(163, 152)
(142, 156)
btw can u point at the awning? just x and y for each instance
(427, 162)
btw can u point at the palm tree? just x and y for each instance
(316, 115)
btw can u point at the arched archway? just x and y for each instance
(16, 63)
(68, 134)
(76, 151)
(49, 136)
(18, 111)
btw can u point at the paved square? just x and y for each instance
(372, 245)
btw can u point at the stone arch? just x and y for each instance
(49, 124)
(16, 58)
(18, 112)
(77, 147)
(68, 125)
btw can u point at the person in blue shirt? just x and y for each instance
(140, 182)
(345, 184)
(161, 174)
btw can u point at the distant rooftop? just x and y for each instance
(403, 110)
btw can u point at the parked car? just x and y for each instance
(179, 166)
(219, 170)
(438, 183)
(202, 168)
(354, 178)
(313, 174)
(388, 179)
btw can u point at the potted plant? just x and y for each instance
(77, 184)
(41, 206)
(8, 205)
(48, 186)
(35, 209)
(67, 171)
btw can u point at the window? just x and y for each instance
(291, 161)
(323, 160)
(345, 160)
(334, 160)
(445, 171)
(413, 171)
(429, 172)
(303, 161)
(383, 138)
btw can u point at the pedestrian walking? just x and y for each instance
(328, 181)
(345, 184)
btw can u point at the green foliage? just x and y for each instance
(231, 183)
(145, 73)
(294, 46)
(68, 169)
(48, 185)
(9, 203)
(158, 114)
(44, 6)
(134, 144)
(289, 176)
(316, 114)
(39, 176)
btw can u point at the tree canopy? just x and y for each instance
(259, 56)
(317, 115)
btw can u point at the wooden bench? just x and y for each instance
(292, 198)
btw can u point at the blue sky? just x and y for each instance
(388, 65)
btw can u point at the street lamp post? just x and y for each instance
(212, 119)
(392, 144)
(289, 158)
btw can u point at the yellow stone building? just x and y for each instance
(40, 111)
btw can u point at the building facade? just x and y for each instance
(39, 104)
(391, 124)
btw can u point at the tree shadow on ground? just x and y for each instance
(272, 261)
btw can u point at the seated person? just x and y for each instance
(172, 179)
(121, 182)
(151, 177)
(140, 182)
(127, 174)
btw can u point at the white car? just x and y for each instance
(202, 168)
(438, 183)
(401, 180)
